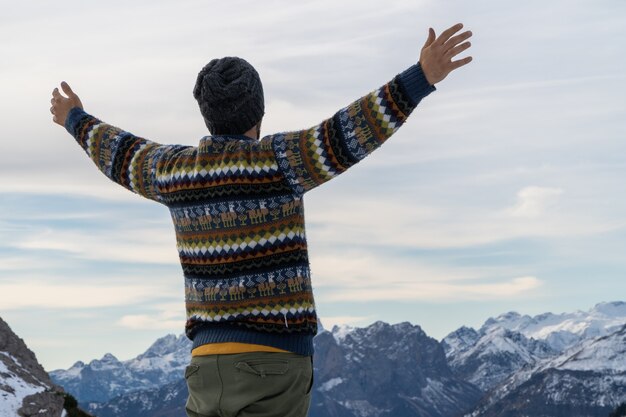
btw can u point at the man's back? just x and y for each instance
(236, 204)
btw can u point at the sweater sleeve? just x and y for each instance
(310, 157)
(133, 162)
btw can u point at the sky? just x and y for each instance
(504, 191)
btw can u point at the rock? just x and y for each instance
(44, 404)
(25, 387)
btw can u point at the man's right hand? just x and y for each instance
(437, 53)
(61, 106)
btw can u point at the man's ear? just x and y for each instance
(258, 129)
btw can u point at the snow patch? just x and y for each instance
(17, 389)
(328, 385)
(362, 408)
(341, 331)
(603, 354)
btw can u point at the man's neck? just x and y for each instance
(254, 132)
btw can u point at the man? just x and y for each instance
(236, 204)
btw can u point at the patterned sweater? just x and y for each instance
(237, 208)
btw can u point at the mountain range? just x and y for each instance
(105, 378)
(547, 365)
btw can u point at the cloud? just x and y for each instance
(12, 263)
(363, 276)
(169, 320)
(82, 228)
(534, 201)
(37, 294)
(168, 317)
(152, 246)
(66, 183)
(344, 218)
(151, 322)
(438, 291)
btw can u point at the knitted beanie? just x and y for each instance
(230, 96)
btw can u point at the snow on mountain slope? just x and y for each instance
(13, 389)
(606, 353)
(460, 340)
(168, 354)
(25, 387)
(510, 342)
(488, 357)
(564, 330)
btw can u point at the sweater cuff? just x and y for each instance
(415, 83)
(72, 119)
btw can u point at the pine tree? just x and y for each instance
(71, 406)
(620, 411)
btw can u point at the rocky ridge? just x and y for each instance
(25, 388)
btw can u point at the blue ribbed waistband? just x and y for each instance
(300, 343)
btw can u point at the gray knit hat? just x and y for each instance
(230, 95)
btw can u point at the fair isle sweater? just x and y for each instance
(237, 208)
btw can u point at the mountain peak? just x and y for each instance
(108, 361)
(459, 340)
(404, 325)
(165, 345)
(378, 324)
(511, 316)
(611, 309)
(109, 357)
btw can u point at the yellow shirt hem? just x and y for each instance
(232, 347)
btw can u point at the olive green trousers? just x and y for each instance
(251, 384)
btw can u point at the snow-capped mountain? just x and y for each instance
(510, 342)
(588, 380)
(493, 356)
(100, 380)
(562, 331)
(25, 387)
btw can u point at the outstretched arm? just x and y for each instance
(130, 161)
(311, 157)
